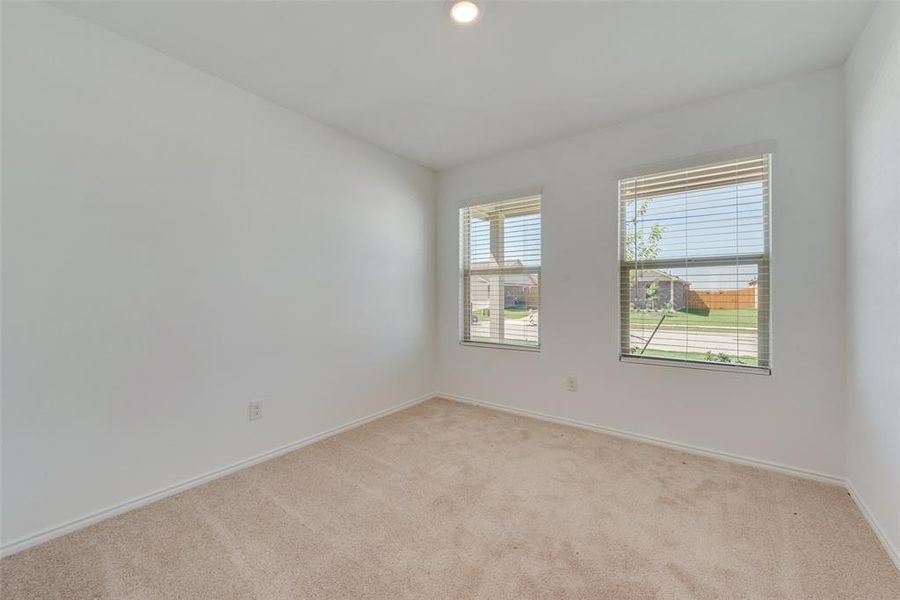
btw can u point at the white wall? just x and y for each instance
(873, 258)
(240, 251)
(794, 417)
(174, 247)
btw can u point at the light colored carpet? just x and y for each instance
(446, 500)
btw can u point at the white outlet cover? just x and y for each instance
(256, 410)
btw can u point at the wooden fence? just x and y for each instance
(722, 299)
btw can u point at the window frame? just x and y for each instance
(465, 323)
(763, 261)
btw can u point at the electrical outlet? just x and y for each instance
(255, 410)
(572, 384)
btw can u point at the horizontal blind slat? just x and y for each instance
(500, 245)
(694, 280)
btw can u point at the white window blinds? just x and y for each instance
(694, 265)
(500, 267)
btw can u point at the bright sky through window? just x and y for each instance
(500, 245)
(695, 264)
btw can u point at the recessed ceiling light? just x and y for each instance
(464, 11)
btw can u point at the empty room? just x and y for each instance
(450, 299)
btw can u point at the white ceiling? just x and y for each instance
(403, 76)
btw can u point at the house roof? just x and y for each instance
(657, 275)
(518, 279)
(525, 279)
(492, 264)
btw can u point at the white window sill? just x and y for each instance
(515, 347)
(689, 364)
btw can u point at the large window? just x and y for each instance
(500, 266)
(694, 266)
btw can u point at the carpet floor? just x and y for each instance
(447, 500)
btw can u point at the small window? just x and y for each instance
(500, 266)
(694, 266)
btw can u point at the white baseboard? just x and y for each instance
(75, 524)
(892, 551)
(56, 531)
(735, 458)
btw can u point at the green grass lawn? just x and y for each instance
(724, 319)
(509, 313)
(697, 356)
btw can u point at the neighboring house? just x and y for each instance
(655, 289)
(519, 290)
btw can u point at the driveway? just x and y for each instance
(513, 329)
